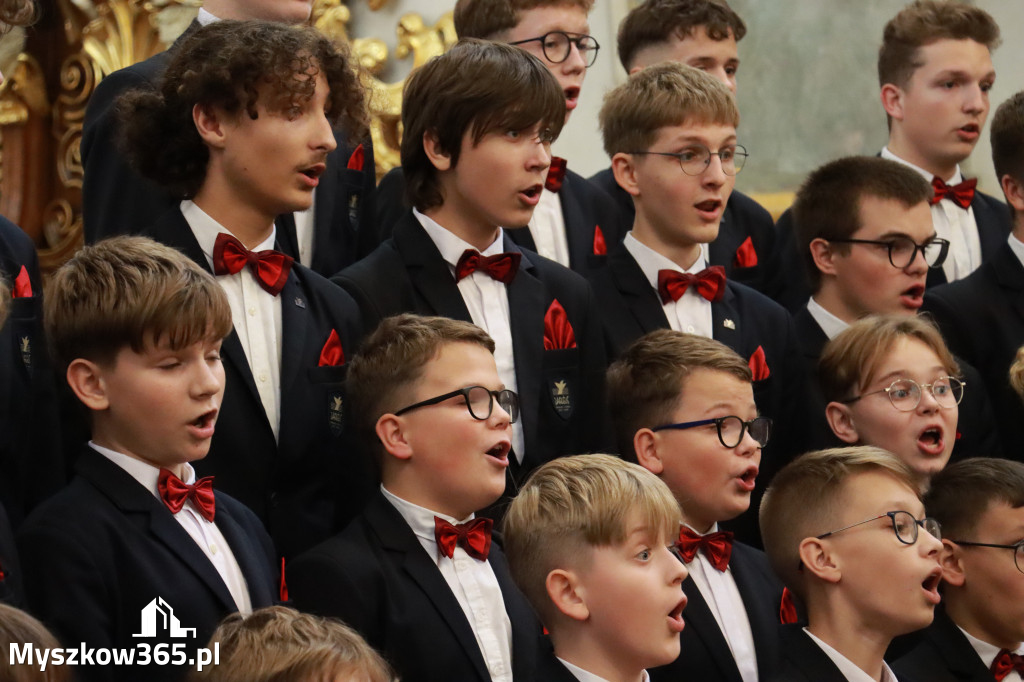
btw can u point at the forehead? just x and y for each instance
(956, 56)
(458, 364)
(1000, 521)
(697, 43)
(711, 135)
(890, 217)
(537, 21)
(704, 388)
(875, 492)
(907, 356)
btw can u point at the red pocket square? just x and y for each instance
(332, 355)
(746, 256)
(758, 365)
(22, 285)
(600, 247)
(558, 332)
(283, 589)
(787, 609)
(355, 162)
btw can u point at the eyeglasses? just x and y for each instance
(903, 250)
(557, 46)
(479, 400)
(730, 429)
(904, 525)
(905, 394)
(1018, 550)
(696, 159)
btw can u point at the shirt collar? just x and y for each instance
(650, 261)
(146, 474)
(986, 652)
(206, 230)
(849, 670)
(829, 323)
(205, 18)
(584, 676)
(955, 179)
(420, 519)
(1017, 247)
(451, 246)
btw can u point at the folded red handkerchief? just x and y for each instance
(22, 285)
(558, 332)
(332, 355)
(355, 162)
(759, 365)
(600, 247)
(746, 256)
(787, 609)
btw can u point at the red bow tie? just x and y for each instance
(1005, 663)
(501, 266)
(717, 547)
(473, 536)
(710, 283)
(174, 492)
(556, 174)
(961, 194)
(270, 268)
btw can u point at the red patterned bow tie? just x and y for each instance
(961, 194)
(710, 283)
(270, 268)
(717, 547)
(556, 174)
(175, 492)
(1005, 663)
(501, 266)
(473, 536)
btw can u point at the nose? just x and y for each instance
(748, 446)
(575, 63)
(323, 137)
(540, 155)
(722, 75)
(677, 569)
(928, 544)
(976, 99)
(714, 175)
(209, 378)
(918, 264)
(500, 418)
(928, 402)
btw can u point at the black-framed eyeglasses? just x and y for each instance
(730, 429)
(903, 250)
(905, 394)
(479, 401)
(696, 159)
(557, 46)
(1018, 550)
(904, 525)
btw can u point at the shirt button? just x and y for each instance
(213, 549)
(252, 310)
(263, 377)
(690, 329)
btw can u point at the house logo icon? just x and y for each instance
(158, 617)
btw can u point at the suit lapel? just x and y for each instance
(807, 657)
(755, 593)
(430, 275)
(524, 634)
(725, 322)
(527, 304)
(698, 616)
(957, 653)
(990, 234)
(575, 229)
(253, 567)
(295, 328)
(641, 299)
(1010, 275)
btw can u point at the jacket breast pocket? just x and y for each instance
(329, 390)
(560, 382)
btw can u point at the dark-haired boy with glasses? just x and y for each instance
(683, 407)
(978, 632)
(846, 532)
(416, 573)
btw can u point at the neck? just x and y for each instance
(1018, 226)
(863, 645)
(410, 489)
(251, 224)
(478, 234)
(901, 147)
(830, 298)
(104, 438)
(592, 656)
(958, 608)
(682, 253)
(700, 525)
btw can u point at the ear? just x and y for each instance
(892, 100)
(645, 445)
(209, 121)
(840, 420)
(1013, 190)
(86, 380)
(823, 255)
(624, 169)
(567, 593)
(819, 561)
(390, 431)
(951, 560)
(439, 157)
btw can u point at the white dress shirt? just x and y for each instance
(849, 670)
(1017, 247)
(692, 312)
(256, 314)
(474, 585)
(829, 323)
(584, 676)
(988, 652)
(487, 301)
(547, 227)
(953, 223)
(205, 533)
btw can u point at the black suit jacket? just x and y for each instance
(116, 199)
(103, 548)
(408, 274)
(376, 577)
(11, 589)
(705, 653)
(585, 209)
(804, 661)
(942, 654)
(311, 480)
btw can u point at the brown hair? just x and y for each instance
(492, 19)
(1007, 137)
(128, 292)
(1017, 373)
(279, 644)
(849, 361)
(477, 87)
(19, 628)
(232, 66)
(965, 490)
(17, 13)
(656, 22)
(923, 23)
(661, 95)
(573, 504)
(646, 383)
(804, 500)
(827, 206)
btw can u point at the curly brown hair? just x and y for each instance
(230, 65)
(17, 13)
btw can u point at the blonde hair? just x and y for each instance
(805, 500)
(573, 504)
(17, 627)
(1017, 373)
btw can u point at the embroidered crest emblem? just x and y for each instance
(335, 412)
(353, 211)
(26, 352)
(561, 397)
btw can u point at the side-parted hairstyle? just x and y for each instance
(849, 361)
(962, 492)
(667, 94)
(805, 500)
(646, 382)
(492, 19)
(128, 292)
(656, 22)
(236, 67)
(19, 628)
(279, 644)
(1007, 137)
(573, 504)
(827, 206)
(477, 87)
(393, 357)
(922, 23)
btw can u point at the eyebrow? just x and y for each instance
(891, 235)
(691, 139)
(962, 75)
(902, 373)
